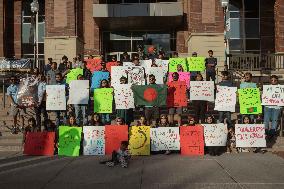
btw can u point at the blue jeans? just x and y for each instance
(105, 119)
(81, 109)
(271, 114)
(227, 115)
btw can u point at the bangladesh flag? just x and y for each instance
(150, 95)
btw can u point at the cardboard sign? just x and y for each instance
(103, 99)
(146, 64)
(139, 142)
(158, 73)
(196, 63)
(174, 62)
(165, 138)
(97, 77)
(39, 143)
(69, 140)
(79, 92)
(55, 97)
(135, 74)
(73, 74)
(183, 76)
(94, 64)
(114, 135)
(117, 73)
(250, 135)
(273, 95)
(226, 98)
(191, 140)
(249, 99)
(164, 64)
(123, 95)
(215, 134)
(177, 94)
(28, 92)
(202, 90)
(94, 140)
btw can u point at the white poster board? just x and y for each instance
(202, 90)
(135, 74)
(123, 95)
(165, 138)
(79, 92)
(273, 95)
(226, 98)
(250, 135)
(55, 97)
(158, 73)
(94, 140)
(215, 134)
(116, 73)
(164, 64)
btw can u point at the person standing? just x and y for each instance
(210, 63)
(51, 74)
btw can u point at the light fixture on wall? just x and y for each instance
(34, 10)
(224, 3)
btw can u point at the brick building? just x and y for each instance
(68, 27)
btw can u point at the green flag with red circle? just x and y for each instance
(150, 95)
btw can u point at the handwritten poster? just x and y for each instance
(94, 140)
(55, 97)
(247, 85)
(249, 99)
(136, 75)
(97, 77)
(73, 74)
(28, 92)
(226, 98)
(39, 143)
(215, 134)
(191, 140)
(79, 92)
(146, 64)
(183, 76)
(250, 135)
(165, 138)
(202, 90)
(164, 64)
(139, 142)
(117, 73)
(114, 135)
(177, 94)
(196, 63)
(123, 95)
(174, 62)
(94, 64)
(273, 95)
(103, 99)
(158, 73)
(69, 140)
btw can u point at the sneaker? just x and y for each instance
(110, 164)
(167, 152)
(124, 165)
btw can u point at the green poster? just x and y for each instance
(174, 62)
(69, 140)
(73, 74)
(196, 63)
(103, 100)
(249, 99)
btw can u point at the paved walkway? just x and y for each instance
(244, 171)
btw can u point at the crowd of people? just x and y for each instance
(82, 115)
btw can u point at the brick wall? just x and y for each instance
(279, 26)
(1, 28)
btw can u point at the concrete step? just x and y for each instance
(9, 148)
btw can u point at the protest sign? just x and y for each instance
(146, 64)
(114, 135)
(177, 94)
(94, 64)
(191, 140)
(136, 75)
(123, 95)
(97, 77)
(244, 85)
(158, 73)
(165, 138)
(117, 73)
(69, 140)
(109, 65)
(94, 140)
(249, 99)
(150, 95)
(103, 99)
(174, 62)
(128, 64)
(202, 90)
(73, 74)
(273, 95)
(28, 92)
(55, 97)
(79, 92)
(139, 142)
(164, 64)
(215, 134)
(196, 63)
(183, 76)
(226, 98)
(250, 135)
(39, 143)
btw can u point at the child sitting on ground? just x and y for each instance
(231, 141)
(121, 156)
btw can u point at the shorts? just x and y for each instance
(177, 110)
(14, 110)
